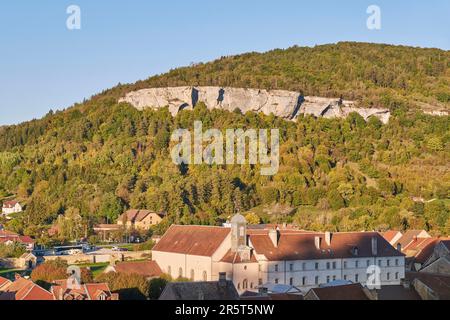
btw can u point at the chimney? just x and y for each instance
(17, 276)
(328, 236)
(374, 246)
(399, 247)
(318, 242)
(222, 279)
(274, 236)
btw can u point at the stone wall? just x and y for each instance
(101, 258)
(285, 104)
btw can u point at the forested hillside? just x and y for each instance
(98, 158)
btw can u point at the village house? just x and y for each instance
(392, 236)
(9, 238)
(88, 291)
(140, 219)
(10, 207)
(23, 289)
(252, 258)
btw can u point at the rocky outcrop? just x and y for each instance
(284, 104)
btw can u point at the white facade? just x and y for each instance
(7, 210)
(249, 274)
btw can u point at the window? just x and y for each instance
(251, 285)
(334, 265)
(334, 278)
(245, 284)
(239, 286)
(396, 276)
(357, 278)
(317, 266)
(345, 264)
(380, 263)
(356, 264)
(396, 262)
(328, 266)
(180, 273)
(205, 276)
(192, 274)
(388, 262)
(345, 277)
(388, 276)
(245, 267)
(276, 268)
(303, 266)
(304, 281)
(291, 267)
(291, 281)
(317, 280)
(368, 263)
(276, 281)
(328, 279)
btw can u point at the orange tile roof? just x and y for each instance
(148, 269)
(192, 240)
(390, 235)
(134, 215)
(9, 204)
(301, 246)
(234, 257)
(3, 282)
(88, 291)
(409, 237)
(24, 289)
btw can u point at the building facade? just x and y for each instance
(252, 258)
(10, 207)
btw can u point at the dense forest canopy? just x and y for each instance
(94, 160)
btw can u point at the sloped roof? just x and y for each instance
(134, 215)
(409, 236)
(24, 289)
(193, 240)
(88, 291)
(200, 291)
(9, 204)
(301, 246)
(148, 269)
(390, 235)
(347, 292)
(440, 284)
(3, 282)
(234, 257)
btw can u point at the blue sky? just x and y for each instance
(45, 66)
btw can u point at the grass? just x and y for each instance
(96, 268)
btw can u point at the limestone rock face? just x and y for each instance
(285, 104)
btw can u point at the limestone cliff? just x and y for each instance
(284, 104)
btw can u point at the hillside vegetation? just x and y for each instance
(96, 159)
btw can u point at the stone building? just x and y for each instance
(251, 258)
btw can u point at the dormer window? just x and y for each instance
(355, 251)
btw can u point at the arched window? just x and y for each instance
(192, 274)
(180, 273)
(169, 270)
(245, 284)
(205, 276)
(239, 286)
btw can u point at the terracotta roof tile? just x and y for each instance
(301, 246)
(390, 235)
(148, 269)
(192, 240)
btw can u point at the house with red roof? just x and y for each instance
(10, 207)
(253, 257)
(88, 291)
(8, 238)
(23, 289)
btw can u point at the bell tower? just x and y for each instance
(238, 232)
